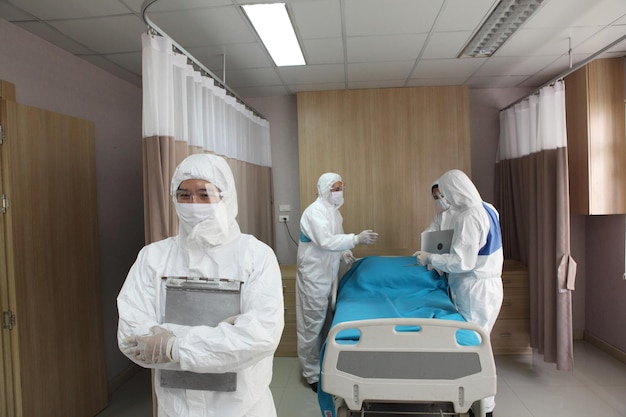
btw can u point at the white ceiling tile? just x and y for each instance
(445, 45)
(600, 40)
(377, 84)
(317, 19)
(173, 5)
(463, 15)
(205, 27)
(544, 41)
(526, 42)
(509, 66)
(323, 51)
(70, 9)
(563, 13)
(436, 81)
(552, 71)
(10, 13)
(239, 55)
(105, 34)
(367, 17)
(134, 5)
(297, 88)
(449, 68)
(322, 73)
(252, 77)
(388, 48)
(495, 82)
(379, 71)
(263, 91)
(603, 12)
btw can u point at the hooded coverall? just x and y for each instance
(322, 242)
(474, 264)
(245, 347)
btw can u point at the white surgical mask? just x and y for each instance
(209, 222)
(213, 230)
(442, 203)
(336, 198)
(192, 214)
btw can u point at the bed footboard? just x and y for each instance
(408, 360)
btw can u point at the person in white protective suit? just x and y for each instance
(323, 245)
(209, 244)
(474, 264)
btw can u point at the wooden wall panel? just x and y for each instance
(389, 145)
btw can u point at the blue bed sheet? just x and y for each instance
(390, 287)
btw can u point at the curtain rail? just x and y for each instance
(194, 62)
(569, 71)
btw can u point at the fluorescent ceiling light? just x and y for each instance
(272, 24)
(505, 19)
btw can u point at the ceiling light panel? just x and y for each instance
(273, 25)
(505, 19)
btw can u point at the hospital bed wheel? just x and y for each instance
(479, 408)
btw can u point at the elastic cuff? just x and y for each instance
(172, 349)
(356, 240)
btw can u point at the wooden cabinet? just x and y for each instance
(288, 343)
(51, 344)
(596, 143)
(510, 334)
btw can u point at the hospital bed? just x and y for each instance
(398, 346)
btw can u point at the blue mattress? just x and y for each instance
(390, 287)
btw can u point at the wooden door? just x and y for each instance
(50, 272)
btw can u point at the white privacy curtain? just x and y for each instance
(534, 124)
(185, 112)
(533, 196)
(180, 102)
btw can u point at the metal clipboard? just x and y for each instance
(196, 302)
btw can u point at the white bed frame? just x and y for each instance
(426, 366)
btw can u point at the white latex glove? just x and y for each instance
(231, 319)
(366, 237)
(152, 349)
(348, 257)
(423, 258)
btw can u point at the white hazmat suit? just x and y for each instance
(474, 264)
(322, 244)
(245, 345)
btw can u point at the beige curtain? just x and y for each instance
(532, 193)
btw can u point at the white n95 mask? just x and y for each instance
(442, 203)
(336, 198)
(192, 214)
(213, 230)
